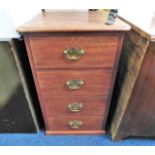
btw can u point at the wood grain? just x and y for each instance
(35, 78)
(100, 51)
(75, 21)
(61, 123)
(56, 106)
(46, 37)
(53, 82)
(142, 123)
(133, 53)
(81, 132)
(110, 85)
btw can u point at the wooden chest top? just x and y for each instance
(71, 21)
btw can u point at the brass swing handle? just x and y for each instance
(74, 84)
(75, 106)
(75, 124)
(73, 54)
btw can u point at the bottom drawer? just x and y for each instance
(75, 124)
(91, 106)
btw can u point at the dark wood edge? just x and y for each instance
(31, 61)
(114, 72)
(46, 34)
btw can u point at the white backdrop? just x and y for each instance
(12, 18)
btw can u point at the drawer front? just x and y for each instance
(63, 82)
(75, 106)
(99, 51)
(74, 123)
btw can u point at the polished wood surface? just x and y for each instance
(65, 21)
(88, 123)
(51, 70)
(136, 84)
(79, 132)
(58, 105)
(53, 82)
(100, 50)
(45, 98)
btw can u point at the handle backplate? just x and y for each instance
(74, 54)
(75, 124)
(75, 106)
(74, 84)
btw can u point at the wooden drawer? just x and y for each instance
(53, 82)
(48, 52)
(62, 123)
(75, 106)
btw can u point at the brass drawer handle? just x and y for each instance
(74, 84)
(73, 54)
(75, 124)
(75, 107)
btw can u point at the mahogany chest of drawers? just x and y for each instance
(74, 57)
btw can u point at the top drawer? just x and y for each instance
(99, 51)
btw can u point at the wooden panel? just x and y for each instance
(61, 123)
(53, 82)
(133, 54)
(64, 21)
(141, 106)
(59, 105)
(81, 132)
(100, 51)
(139, 119)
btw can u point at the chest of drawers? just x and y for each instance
(74, 57)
